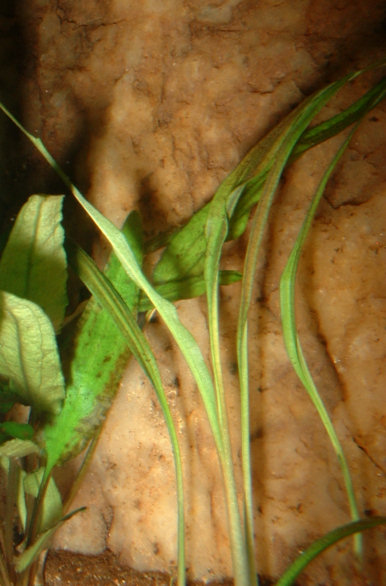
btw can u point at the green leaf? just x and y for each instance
(106, 294)
(325, 542)
(52, 506)
(33, 264)
(29, 355)
(132, 231)
(184, 254)
(99, 357)
(185, 251)
(32, 552)
(310, 138)
(17, 430)
(339, 122)
(291, 338)
(266, 162)
(187, 288)
(78, 418)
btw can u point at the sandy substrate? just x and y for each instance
(150, 105)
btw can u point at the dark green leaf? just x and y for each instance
(187, 288)
(17, 430)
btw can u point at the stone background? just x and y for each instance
(149, 105)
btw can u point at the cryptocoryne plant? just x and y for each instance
(64, 370)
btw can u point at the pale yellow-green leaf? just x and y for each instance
(52, 502)
(29, 355)
(18, 448)
(33, 264)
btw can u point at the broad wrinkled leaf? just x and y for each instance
(29, 355)
(33, 265)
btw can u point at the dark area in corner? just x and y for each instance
(12, 60)
(23, 171)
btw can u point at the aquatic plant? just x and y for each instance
(66, 371)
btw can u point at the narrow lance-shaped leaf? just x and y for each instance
(291, 339)
(29, 355)
(289, 149)
(31, 554)
(33, 265)
(51, 510)
(324, 543)
(263, 187)
(310, 138)
(104, 291)
(273, 155)
(216, 231)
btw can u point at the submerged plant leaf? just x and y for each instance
(167, 311)
(52, 508)
(187, 288)
(97, 364)
(29, 355)
(183, 263)
(267, 162)
(132, 231)
(292, 341)
(31, 553)
(33, 265)
(310, 138)
(18, 448)
(335, 125)
(100, 354)
(185, 251)
(17, 430)
(324, 543)
(104, 291)
(116, 296)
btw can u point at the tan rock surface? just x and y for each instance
(164, 98)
